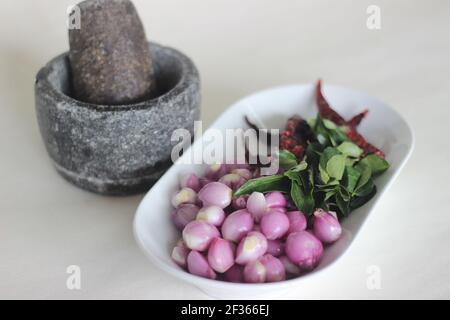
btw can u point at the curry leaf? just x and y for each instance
(350, 149)
(343, 206)
(336, 166)
(327, 154)
(287, 159)
(329, 124)
(377, 164)
(313, 152)
(365, 189)
(366, 174)
(359, 201)
(304, 202)
(329, 194)
(300, 167)
(324, 175)
(264, 184)
(293, 176)
(350, 179)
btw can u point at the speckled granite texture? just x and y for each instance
(120, 149)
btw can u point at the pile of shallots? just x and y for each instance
(251, 239)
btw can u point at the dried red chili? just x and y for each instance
(288, 140)
(359, 140)
(296, 136)
(324, 108)
(356, 120)
(298, 133)
(328, 113)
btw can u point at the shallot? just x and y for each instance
(253, 246)
(232, 180)
(326, 226)
(255, 272)
(289, 266)
(256, 205)
(215, 171)
(275, 199)
(184, 214)
(235, 273)
(275, 247)
(198, 265)
(215, 194)
(212, 214)
(185, 195)
(274, 225)
(304, 249)
(297, 221)
(220, 255)
(190, 181)
(180, 253)
(237, 225)
(274, 268)
(198, 235)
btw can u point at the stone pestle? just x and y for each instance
(109, 54)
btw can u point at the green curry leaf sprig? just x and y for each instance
(333, 175)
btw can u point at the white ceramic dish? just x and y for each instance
(383, 127)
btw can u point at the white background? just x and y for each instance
(46, 224)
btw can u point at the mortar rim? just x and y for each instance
(188, 72)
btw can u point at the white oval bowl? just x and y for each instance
(383, 127)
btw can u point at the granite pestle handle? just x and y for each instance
(109, 54)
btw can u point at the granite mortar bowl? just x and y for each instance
(116, 149)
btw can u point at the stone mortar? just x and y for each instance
(120, 149)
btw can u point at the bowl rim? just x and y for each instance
(199, 281)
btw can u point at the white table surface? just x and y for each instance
(47, 224)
